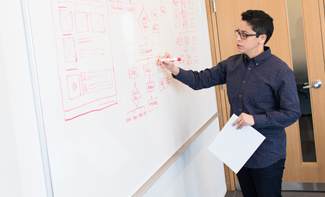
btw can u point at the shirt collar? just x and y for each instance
(260, 58)
(246, 59)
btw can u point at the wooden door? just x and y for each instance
(223, 20)
(306, 147)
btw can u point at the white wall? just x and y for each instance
(21, 162)
(10, 182)
(196, 173)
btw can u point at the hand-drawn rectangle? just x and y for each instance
(152, 104)
(147, 49)
(133, 73)
(74, 2)
(96, 81)
(117, 7)
(97, 22)
(148, 70)
(86, 2)
(151, 86)
(81, 19)
(66, 20)
(69, 49)
(130, 8)
(98, 3)
(74, 89)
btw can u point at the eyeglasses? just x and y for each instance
(244, 36)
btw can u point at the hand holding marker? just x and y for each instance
(167, 62)
(171, 59)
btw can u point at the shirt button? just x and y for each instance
(239, 109)
(243, 81)
(256, 64)
(249, 68)
(239, 95)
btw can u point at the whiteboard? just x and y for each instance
(112, 117)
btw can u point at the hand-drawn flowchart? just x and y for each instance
(86, 66)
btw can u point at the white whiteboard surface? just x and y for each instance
(112, 117)
(195, 173)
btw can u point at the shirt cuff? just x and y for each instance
(180, 75)
(259, 120)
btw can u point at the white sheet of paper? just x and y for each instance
(234, 147)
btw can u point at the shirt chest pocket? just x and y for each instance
(260, 94)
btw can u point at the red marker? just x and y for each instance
(171, 59)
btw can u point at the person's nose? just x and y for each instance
(238, 38)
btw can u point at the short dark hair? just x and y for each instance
(261, 22)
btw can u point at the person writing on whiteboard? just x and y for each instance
(262, 91)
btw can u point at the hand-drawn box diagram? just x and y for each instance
(119, 7)
(184, 14)
(84, 56)
(187, 48)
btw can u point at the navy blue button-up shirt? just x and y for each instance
(263, 87)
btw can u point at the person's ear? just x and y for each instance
(262, 39)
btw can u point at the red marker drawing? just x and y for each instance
(171, 59)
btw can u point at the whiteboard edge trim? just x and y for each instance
(37, 99)
(145, 187)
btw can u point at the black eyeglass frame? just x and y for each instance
(246, 35)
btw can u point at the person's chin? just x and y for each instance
(240, 48)
(241, 51)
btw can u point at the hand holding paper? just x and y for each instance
(234, 147)
(243, 120)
